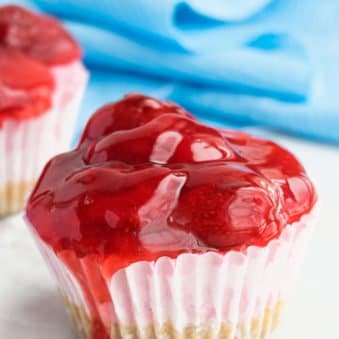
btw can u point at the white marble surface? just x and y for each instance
(30, 308)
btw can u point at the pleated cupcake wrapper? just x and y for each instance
(26, 146)
(233, 296)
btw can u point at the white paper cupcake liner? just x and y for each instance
(26, 146)
(233, 296)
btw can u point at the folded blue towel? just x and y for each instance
(264, 62)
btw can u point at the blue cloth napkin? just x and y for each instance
(272, 63)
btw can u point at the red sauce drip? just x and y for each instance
(25, 86)
(29, 45)
(148, 180)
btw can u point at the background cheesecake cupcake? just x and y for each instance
(157, 226)
(42, 81)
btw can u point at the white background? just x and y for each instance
(30, 308)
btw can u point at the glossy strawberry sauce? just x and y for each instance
(148, 180)
(29, 45)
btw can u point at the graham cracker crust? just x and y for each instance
(13, 195)
(257, 328)
(79, 318)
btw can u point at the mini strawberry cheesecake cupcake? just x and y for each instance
(157, 226)
(42, 81)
